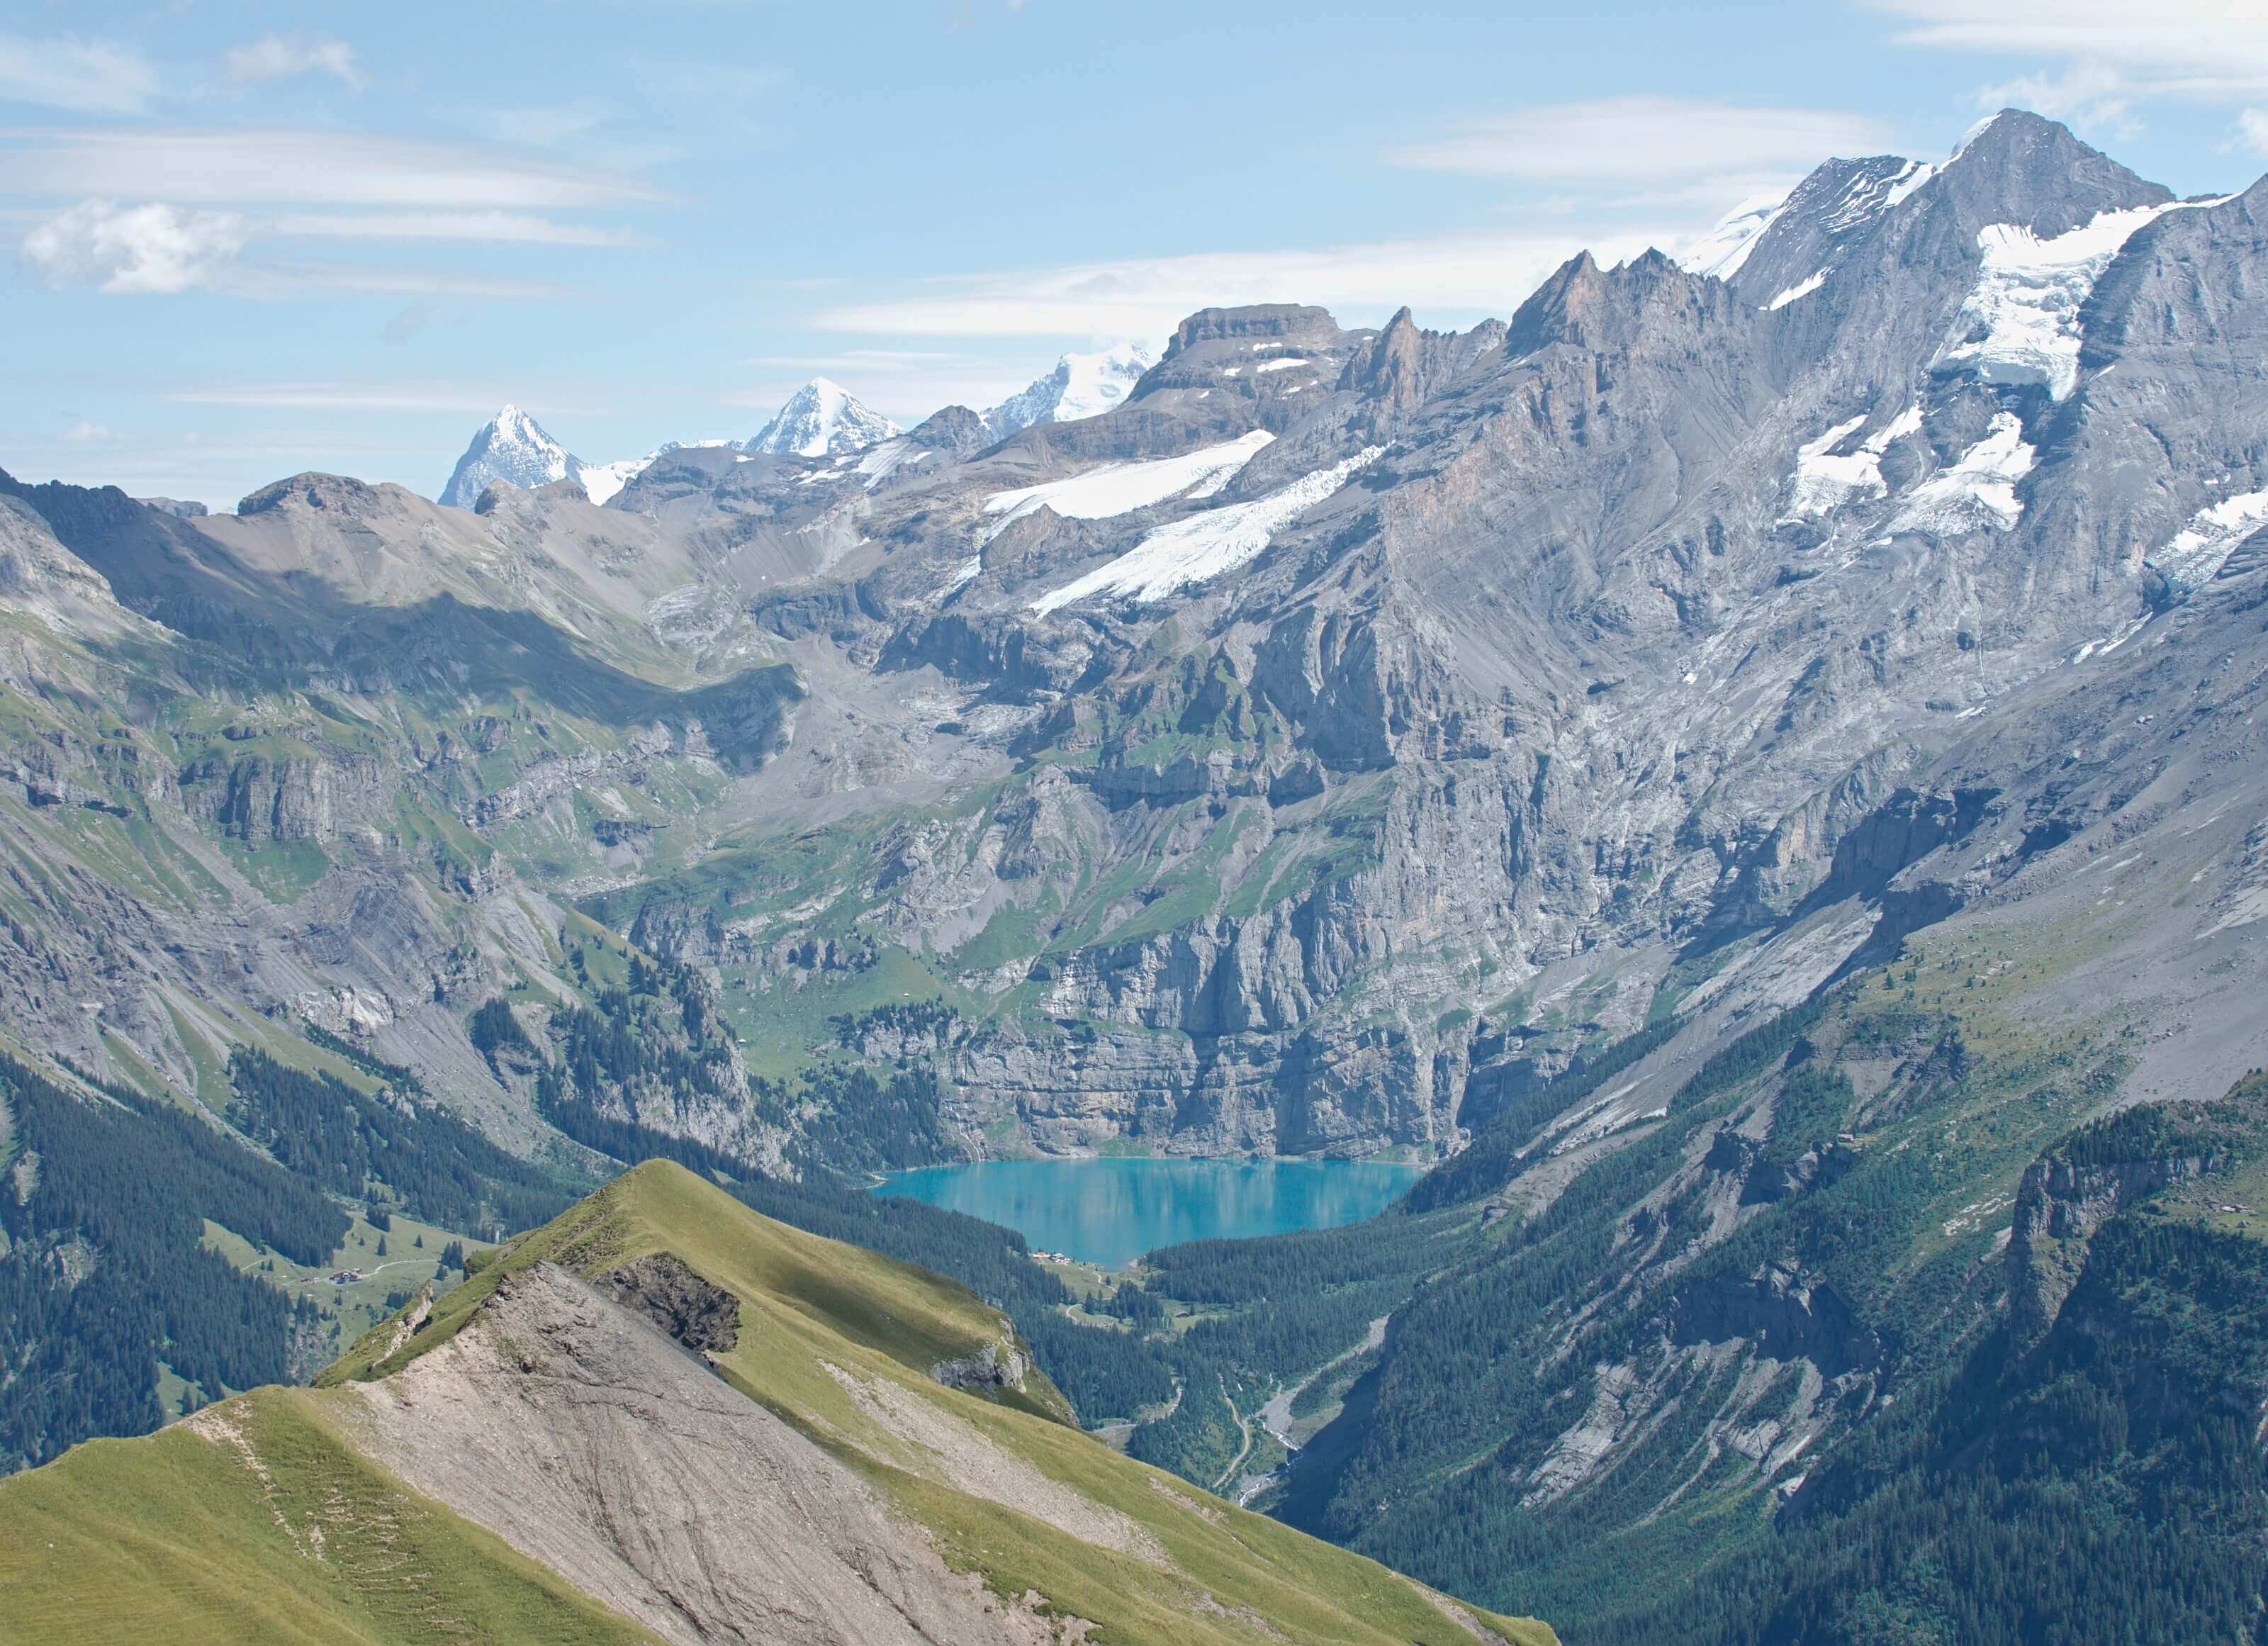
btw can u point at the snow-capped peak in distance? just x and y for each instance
(1723, 249)
(820, 419)
(601, 481)
(510, 446)
(1081, 386)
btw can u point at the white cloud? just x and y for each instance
(1665, 145)
(2253, 122)
(85, 76)
(271, 166)
(281, 56)
(2112, 52)
(1459, 276)
(148, 248)
(85, 433)
(2088, 93)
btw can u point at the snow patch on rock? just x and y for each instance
(2200, 549)
(1823, 481)
(1204, 546)
(1977, 492)
(1803, 289)
(881, 461)
(1121, 488)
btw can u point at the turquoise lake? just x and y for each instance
(1112, 1211)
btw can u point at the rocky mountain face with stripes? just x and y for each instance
(1309, 754)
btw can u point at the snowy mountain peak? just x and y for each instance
(513, 446)
(1081, 386)
(821, 419)
(510, 446)
(1724, 248)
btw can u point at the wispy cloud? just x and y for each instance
(1666, 147)
(161, 249)
(274, 166)
(2100, 60)
(2192, 46)
(902, 382)
(308, 279)
(321, 395)
(211, 199)
(283, 56)
(546, 125)
(493, 228)
(87, 76)
(657, 111)
(862, 359)
(707, 98)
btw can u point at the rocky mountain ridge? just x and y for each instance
(1328, 740)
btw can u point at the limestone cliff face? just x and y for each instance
(316, 794)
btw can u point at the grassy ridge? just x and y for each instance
(182, 1538)
(171, 1540)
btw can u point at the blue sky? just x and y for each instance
(252, 239)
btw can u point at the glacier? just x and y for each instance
(1121, 488)
(1977, 492)
(1203, 546)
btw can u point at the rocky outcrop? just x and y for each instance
(703, 1316)
(315, 791)
(2058, 1208)
(412, 1322)
(956, 431)
(1783, 1314)
(1002, 1365)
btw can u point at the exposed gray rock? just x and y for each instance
(700, 1316)
(581, 1436)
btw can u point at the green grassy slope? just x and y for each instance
(169, 1538)
(175, 1538)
